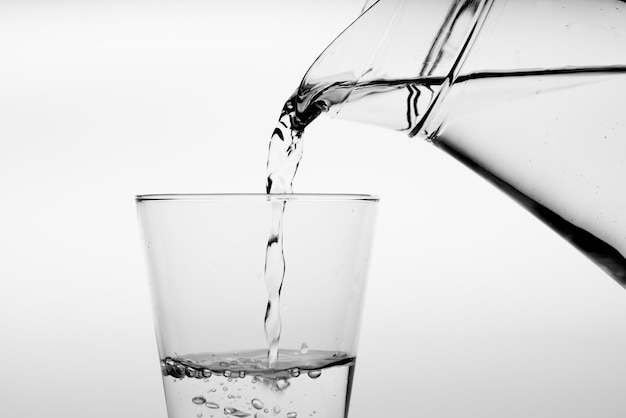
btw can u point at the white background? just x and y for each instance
(474, 308)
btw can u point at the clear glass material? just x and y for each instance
(527, 93)
(207, 261)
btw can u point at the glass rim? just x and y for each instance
(331, 197)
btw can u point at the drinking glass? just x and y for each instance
(257, 300)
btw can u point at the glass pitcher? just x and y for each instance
(530, 94)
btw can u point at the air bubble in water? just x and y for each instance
(304, 348)
(212, 405)
(235, 412)
(295, 372)
(199, 400)
(282, 384)
(292, 415)
(314, 374)
(180, 369)
(257, 403)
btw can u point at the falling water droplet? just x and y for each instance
(206, 373)
(228, 373)
(304, 348)
(199, 400)
(292, 415)
(295, 372)
(314, 374)
(257, 403)
(242, 374)
(277, 409)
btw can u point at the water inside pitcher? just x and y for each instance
(528, 94)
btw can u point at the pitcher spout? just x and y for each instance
(407, 51)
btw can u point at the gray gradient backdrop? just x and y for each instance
(474, 309)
